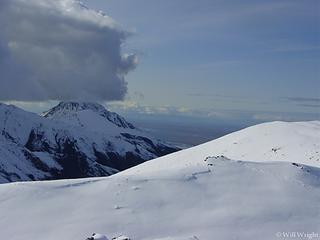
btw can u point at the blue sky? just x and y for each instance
(222, 55)
(211, 58)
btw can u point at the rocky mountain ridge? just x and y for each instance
(71, 140)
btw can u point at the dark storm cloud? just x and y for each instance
(60, 50)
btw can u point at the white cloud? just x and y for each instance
(60, 50)
(130, 106)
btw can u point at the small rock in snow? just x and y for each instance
(97, 236)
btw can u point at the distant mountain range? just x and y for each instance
(71, 140)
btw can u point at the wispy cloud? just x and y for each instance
(216, 95)
(231, 98)
(132, 106)
(304, 99)
(284, 116)
(311, 105)
(296, 48)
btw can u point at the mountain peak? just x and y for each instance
(74, 107)
(67, 109)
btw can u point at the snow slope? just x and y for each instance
(274, 141)
(71, 140)
(184, 195)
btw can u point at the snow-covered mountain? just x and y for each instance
(71, 140)
(266, 192)
(274, 141)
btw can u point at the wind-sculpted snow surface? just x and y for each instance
(169, 199)
(71, 140)
(193, 194)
